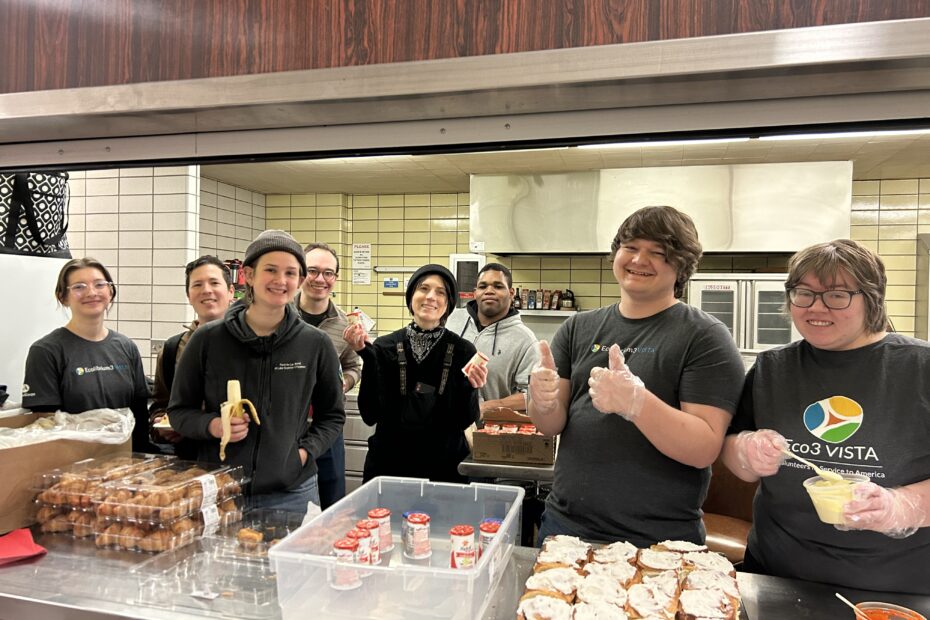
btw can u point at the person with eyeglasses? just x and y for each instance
(851, 397)
(85, 365)
(208, 283)
(316, 306)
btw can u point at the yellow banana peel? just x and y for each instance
(234, 407)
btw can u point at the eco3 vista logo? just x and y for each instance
(833, 419)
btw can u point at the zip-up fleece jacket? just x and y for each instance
(333, 325)
(509, 344)
(283, 374)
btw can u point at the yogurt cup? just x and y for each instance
(829, 496)
(888, 611)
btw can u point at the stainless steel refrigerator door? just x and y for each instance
(721, 299)
(770, 324)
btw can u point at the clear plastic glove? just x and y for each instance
(897, 513)
(761, 452)
(544, 382)
(615, 389)
(356, 336)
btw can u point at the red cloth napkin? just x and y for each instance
(18, 545)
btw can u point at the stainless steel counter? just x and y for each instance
(77, 582)
(535, 473)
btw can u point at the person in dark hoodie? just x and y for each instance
(494, 326)
(284, 366)
(414, 388)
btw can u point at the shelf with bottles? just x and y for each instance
(544, 301)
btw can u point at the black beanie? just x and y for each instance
(447, 278)
(274, 241)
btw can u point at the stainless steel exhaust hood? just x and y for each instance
(736, 208)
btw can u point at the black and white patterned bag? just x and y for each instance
(34, 214)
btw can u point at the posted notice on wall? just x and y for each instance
(361, 256)
(361, 276)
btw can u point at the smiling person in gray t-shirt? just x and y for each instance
(85, 365)
(670, 373)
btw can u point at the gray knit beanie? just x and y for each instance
(274, 241)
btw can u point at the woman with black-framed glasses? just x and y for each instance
(852, 398)
(84, 365)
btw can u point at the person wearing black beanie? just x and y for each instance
(447, 278)
(418, 386)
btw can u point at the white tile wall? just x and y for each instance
(230, 217)
(143, 224)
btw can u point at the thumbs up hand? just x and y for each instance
(544, 381)
(615, 389)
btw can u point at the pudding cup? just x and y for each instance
(830, 496)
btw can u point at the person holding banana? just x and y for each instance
(261, 351)
(642, 393)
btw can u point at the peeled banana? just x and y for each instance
(234, 407)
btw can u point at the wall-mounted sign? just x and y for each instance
(361, 256)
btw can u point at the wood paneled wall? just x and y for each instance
(49, 44)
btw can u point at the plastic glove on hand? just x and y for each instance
(544, 381)
(615, 389)
(894, 512)
(761, 452)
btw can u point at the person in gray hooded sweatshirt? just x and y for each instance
(494, 326)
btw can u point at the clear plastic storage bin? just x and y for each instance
(398, 588)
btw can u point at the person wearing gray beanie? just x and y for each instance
(283, 366)
(419, 386)
(274, 240)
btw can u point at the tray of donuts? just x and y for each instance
(672, 580)
(158, 536)
(78, 484)
(164, 495)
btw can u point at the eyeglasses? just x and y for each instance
(328, 274)
(81, 288)
(834, 300)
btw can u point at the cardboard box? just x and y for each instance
(20, 466)
(512, 448)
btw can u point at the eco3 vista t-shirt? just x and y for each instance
(610, 482)
(67, 372)
(864, 411)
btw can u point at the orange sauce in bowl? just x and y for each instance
(891, 614)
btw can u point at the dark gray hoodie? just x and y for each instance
(283, 374)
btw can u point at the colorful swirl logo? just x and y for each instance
(833, 419)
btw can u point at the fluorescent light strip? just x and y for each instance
(628, 145)
(847, 134)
